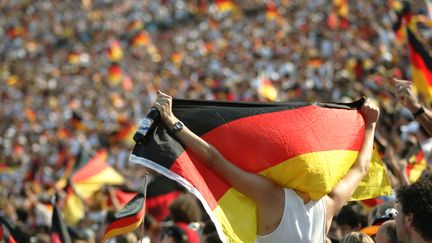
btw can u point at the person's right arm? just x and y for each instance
(341, 193)
(407, 98)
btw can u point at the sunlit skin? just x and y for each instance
(403, 223)
(381, 236)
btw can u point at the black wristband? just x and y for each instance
(419, 112)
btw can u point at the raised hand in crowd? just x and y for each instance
(407, 98)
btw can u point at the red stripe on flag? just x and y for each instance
(94, 166)
(419, 63)
(124, 222)
(306, 129)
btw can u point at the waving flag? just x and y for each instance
(59, 233)
(305, 146)
(130, 216)
(88, 176)
(421, 62)
(416, 163)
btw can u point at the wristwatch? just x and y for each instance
(177, 127)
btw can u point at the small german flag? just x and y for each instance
(59, 233)
(130, 216)
(421, 62)
(115, 51)
(225, 5)
(305, 146)
(90, 174)
(115, 74)
(5, 168)
(416, 163)
(141, 39)
(272, 11)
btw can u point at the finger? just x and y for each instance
(401, 81)
(163, 94)
(158, 106)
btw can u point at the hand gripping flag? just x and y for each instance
(130, 216)
(305, 146)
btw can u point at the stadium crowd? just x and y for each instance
(79, 74)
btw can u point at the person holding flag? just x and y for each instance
(284, 215)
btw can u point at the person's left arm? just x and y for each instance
(342, 192)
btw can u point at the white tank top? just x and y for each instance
(301, 223)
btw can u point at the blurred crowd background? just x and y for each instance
(78, 75)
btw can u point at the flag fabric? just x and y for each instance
(122, 195)
(7, 232)
(89, 175)
(130, 216)
(115, 74)
(225, 5)
(4, 168)
(266, 89)
(416, 163)
(403, 17)
(272, 11)
(421, 62)
(342, 7)
(305, 146)
(59, 232)
(161, 192)
(115, 51)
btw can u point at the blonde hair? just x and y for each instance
(357, 237)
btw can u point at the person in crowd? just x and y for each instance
(407, 97)
(356, 237)
(277, 207)
(351, 218)
(174, 234)
(387, 233)
(414, 219)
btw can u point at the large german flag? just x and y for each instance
(129, 217)
(305, 146)
(421, 62)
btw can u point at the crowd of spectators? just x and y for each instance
(99, 63)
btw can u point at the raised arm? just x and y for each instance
(407, 98)
(265, 193)
(346, 187)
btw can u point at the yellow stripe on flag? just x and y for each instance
(74, 210)
(124, 230)
(241, 217)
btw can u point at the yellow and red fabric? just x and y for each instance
(6, 169)
(115, 51)
(89, 176)
(305, 146)
(130, 217)
(421, 64)
(115, 74)
(416, 163)
(225, 5)
(272, 11)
